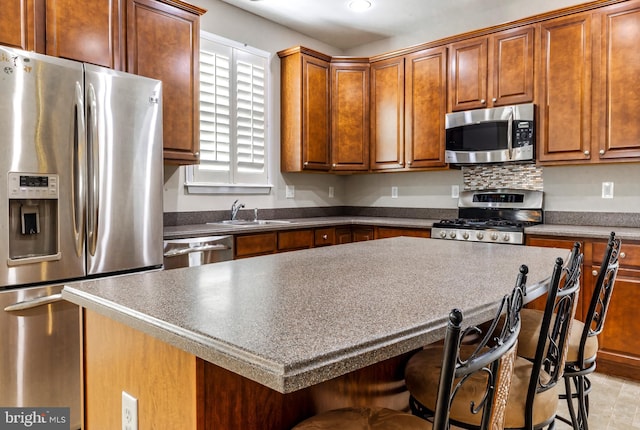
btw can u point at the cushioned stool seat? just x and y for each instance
(363, 419)
(528, 339)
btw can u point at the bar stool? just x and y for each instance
(478, 388)
(532, 401)
(583, 340)
(495, 361)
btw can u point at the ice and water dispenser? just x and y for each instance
(33, 217)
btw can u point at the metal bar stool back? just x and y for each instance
(470, 380)
(582, 357)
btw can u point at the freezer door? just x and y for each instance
(41, 135)
(125, 179)
(40, 354)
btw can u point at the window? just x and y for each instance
(233, 119)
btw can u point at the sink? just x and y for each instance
(247, 223)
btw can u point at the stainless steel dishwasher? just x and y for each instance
(196, 251)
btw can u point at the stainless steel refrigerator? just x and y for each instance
(80, 196)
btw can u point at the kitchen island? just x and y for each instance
(264, 342)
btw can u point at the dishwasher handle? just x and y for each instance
(200, 248)
(30, 304)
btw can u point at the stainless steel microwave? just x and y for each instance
(495, 135)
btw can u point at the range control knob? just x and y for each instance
(452, 235)
(465, 235)
(443, 234)
(480, 235)
(506, 237)
(494, 236)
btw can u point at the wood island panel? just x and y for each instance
(118, 358)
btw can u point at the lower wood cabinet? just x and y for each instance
(251, 245)
(619, 352)
(385, 232)
(292, 240)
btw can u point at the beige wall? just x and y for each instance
(566, 188)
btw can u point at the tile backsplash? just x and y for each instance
(521, 176)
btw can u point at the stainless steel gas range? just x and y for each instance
(493, 216)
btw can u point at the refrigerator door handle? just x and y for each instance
(93, 171)
(79, 174)
(30, 304)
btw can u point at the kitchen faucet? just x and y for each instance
(235, 207)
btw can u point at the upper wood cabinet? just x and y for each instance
(564, 101)
(616, 77)
(22, 24)
(350, 115)
(492, 70)
(590, 66)
(305, 110)
(163, 42)
(425, 108)
(90, 33)
(408, 105)
(387, 114)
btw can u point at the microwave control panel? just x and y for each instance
(522, 133)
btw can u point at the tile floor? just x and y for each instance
(615, 404)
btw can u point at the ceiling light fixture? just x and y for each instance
(359, 5)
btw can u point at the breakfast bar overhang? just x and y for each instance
(291, 326)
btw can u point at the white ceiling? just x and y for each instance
(332, 22)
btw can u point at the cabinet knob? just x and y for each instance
(483, 101)
(325, 237)
(586, 152)
(306, 163)
(408, 163)
(334, 165)
(602, 152)
(494, 99)
(623, 255)
(594, 273)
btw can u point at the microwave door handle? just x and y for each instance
(510, 134)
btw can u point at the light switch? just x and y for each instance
(607, 190)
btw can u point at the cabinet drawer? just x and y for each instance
(325, 236)
(385, 232)
(296, 239)
(255, 244)
(629, 254)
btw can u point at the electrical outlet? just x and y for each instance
(394, 192)
(290, 191)
(455, 191)
(607, 190)
(129, 412)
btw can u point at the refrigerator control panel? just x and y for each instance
(32, 186)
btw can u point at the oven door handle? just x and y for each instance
(30, 304)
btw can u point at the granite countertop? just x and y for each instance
(587, 231)
(197, 230)
(292, 320)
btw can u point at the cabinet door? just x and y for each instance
(316, 129)
(468, 74)
(616, 105)
(163, 43)
(295, 239)
(425, 107)
(251, 245)
(511, 66)
(387, 114)
(344, 235)
(22, 24)
(565, 89)
(90, 32)
(349, 116)
(549, 242)
(385, 232)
